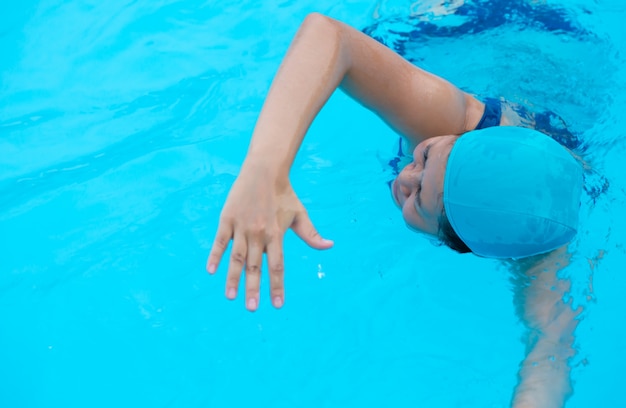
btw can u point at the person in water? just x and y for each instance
(481, 181)
(431, 114)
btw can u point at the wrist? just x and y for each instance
(277, 158)
(265, 167)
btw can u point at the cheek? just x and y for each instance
(408, 211)
(416, 220)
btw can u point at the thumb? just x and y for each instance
(303, 227)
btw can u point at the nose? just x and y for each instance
(406, 181)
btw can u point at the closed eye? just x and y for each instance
(418, 197)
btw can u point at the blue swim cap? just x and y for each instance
(512, 192)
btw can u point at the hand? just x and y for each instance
(259, 209)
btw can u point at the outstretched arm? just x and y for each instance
(544, 375)
(324, 54)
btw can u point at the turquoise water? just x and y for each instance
(122, 127)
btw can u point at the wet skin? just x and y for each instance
(418, 189)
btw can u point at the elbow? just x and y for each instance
(322, 27)
(318, 21)
(329, 34)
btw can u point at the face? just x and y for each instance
(418, 189)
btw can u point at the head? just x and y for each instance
(418, 192)
(499, 192)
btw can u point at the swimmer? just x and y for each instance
(428, 111)
(482, 181)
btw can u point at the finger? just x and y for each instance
(223, 237)
(253, 274)
(237, 261)
(276, 263)
(303, 227)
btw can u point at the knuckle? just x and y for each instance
(274, 234)
(277, 268)
(256, 231)
(237, 257)
(221, 242)
(253, 268)
(259, 226)
(232, 281)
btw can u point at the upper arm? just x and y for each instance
(539, 296)
(416, 103)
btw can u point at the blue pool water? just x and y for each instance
(123, 125)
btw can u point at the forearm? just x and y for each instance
(312, 69)
(544, 375)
